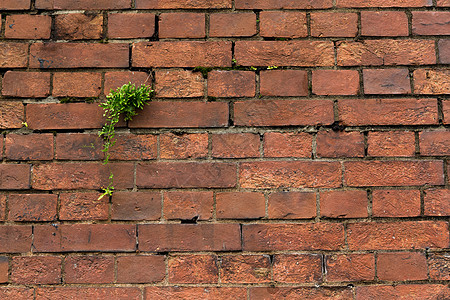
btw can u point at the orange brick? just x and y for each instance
(326, 24)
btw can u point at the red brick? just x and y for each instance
(297, 268)
(82, 4)
(293, 174)
(292, 205)
(283, 83)
(330, 24)
(15, 176)
(235, 145)
(26, 84)
(32, 207)
(3, 198)
(67, 55)
(77, 84)
(437, 202)
(396, 203)
(15, 4)
(283, 112)
(285, 53)
(131, 26)
(16, 293)
(232, 24)
(193, 269)
(134, 147)
(398, 235)
(11, 114)
(350, 267)
(393, 111)
(391, 143)
(115, 80)
(386, 81)
(4, 269)
(446, 111)
(77, 26)
(343, 204)
(287, 24)
(28, 27)
(304, 293)
(88, 293)
(335, 82)
(384, 23)
(182, 146)
(231, 84)
(140, 269)
(287, 144)
(439, 266)
(436, 142)
(431, 23)
(245, 269)
(401, 266)
(279, 237)
(29, 147)
(179, 84)
(188, 205)
(36, 270)
(13, 55)
(83, 206)
(78, 146)
(186, 175)
(182, 25)
(283, 4)
(186, 4)
(181, 115)
(444, 51)
(15, 239)
(386, 52)
(389, 173)
(240, 205)
(427, 81)
(89, 269)
(85, 237)
(129, 206)
(189, 237)
(72, 176)
(340, 144)
(182, 54)
(179, 293)
(383, 3)
(443, 3)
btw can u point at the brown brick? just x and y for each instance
(85, 237)
(384, 23)
(284, 53)
(232, 24)
(28, 27)
(29, 147)
(283, 83)
(383, 3)
(335, 82)
(36, 270)
(135, 206)
(77, 84)
(3, 198)
(279, 237)
(386, 81)
(15, 176)
(15, 4)
(330, 24)
(140, 269)
(297, 268)
(179, 84)
(388, 111)
(185, 175)
(32, 207)
(15, 238)
(185, 4)
(427, 81)
(89, 269)
(283, 4)
(75, 26)
(134, 147)
(340, 144)
(283, 112)
(437, 202)
(398, 235)
(245, 268)
(82, 4)
(287, 144)
(178, 292)
(444, 51)
(292, 174)
(13, 55)
(182, 54)
(83, 206)
(78, 146)
(188, 205)
(350, 267)
(443, 3)
(88, 293)
(287, 24)
(396, 203)
(182, 146)
(231, 84)
(67, 55)
(434, 142)
(193, 269)
(189, 237)
(240, 205)
(446, 111)
(26, 84)
(431, 22)
(343, 204)
(115, 80)
(182, 25)
(11, 114)
(304, 293)
(391, 143)
(439, 266)
(131, 25)
(386, 52)
(4, 269)
(72, 176)
(292, 205)
(235, 145)
(401, 266)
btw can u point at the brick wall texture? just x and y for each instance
(295, 149)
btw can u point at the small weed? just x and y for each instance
(108, 191)
(272, 67)
(25, 124)
(203, 70)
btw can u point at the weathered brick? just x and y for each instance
(386, 81)
(297, 268)
(335, 82)
(330, 24)
(292, 205)
(186, 4)
(80, 84)
(437, 202)
(29, 147)
(16, 293)
(283, 83)
(350, 267)
(401, 266)
(178, 292)
(431, 23)
(131, 25)
(134, 147)
(304, 293)
(15, 238)
(13, 55)
(15, 4)
(434, 142)
(428, 81)
(235, 145)
(285, 24)
(231, 84)
(140, 269)
(83, 206)
(240, 205)
(76, 26)
(88, 293)
(445, 3)
(383, 3)
(32, 207)
(182, 146)
(115, 80)
(3, 198)
(340, 144)
(26, 84)
(287, 144)
(179, 84)
(343, 204)
(232, 24)
(193, 269)
(136, 206)
(245, 268)
(391, 143)
(182, 25)
(283, 4)
(444, 51)
(439, 266)
(36, 270)
(78, 146)
(15, 176)
(188, 205)
(446, 111)
(189, 237)
(28, 27)
(384, 23)
(82, 4)
(11, 114)
(89, 269)
(396, 203)
(4, 269)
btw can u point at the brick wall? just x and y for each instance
(306, 159)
